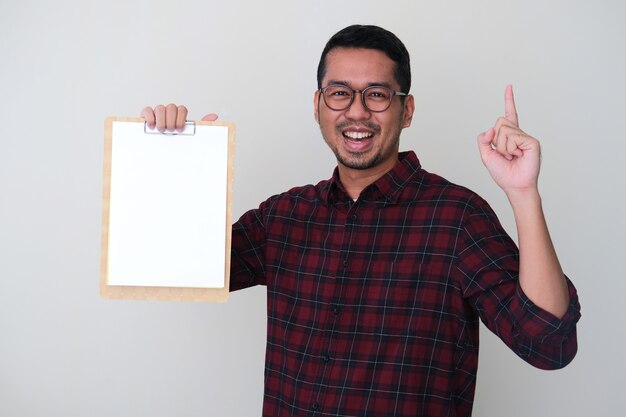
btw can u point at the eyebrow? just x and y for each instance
(372, 84)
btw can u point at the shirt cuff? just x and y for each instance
(536, 323)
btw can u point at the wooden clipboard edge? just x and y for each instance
(161, 293)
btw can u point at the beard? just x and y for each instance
(357, 160)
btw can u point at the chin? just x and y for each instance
(360, 163)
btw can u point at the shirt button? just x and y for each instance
(326, 358)
(335, 310)
(315, 406)
(353, 217)
(345, 263)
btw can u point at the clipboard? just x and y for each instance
(166, 211)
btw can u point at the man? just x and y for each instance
(377, 278)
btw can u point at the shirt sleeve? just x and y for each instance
(248, 251)
(488, 264)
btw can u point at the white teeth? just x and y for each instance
(358, 135)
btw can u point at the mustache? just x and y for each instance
(368, 125)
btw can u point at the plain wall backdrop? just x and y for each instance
(66, 65)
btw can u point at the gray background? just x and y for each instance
(68, 64)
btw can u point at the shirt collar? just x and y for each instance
(389, 186)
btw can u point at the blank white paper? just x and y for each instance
(168, 207)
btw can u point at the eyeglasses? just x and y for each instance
(375, 98)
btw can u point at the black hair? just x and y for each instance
(370, 37)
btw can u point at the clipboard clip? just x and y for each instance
(190, 130)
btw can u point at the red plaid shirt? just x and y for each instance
(374, 306)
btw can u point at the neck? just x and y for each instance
(356, 180)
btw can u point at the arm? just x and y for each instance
(512, 158)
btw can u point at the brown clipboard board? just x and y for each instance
(115, 280)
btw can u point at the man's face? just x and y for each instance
(359, 138)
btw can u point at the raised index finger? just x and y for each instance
(510, 113)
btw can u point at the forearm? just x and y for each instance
(541, 277)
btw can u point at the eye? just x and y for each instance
(337, 92)
(378, 93)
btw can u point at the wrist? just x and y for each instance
(526, 205)
(524, 197)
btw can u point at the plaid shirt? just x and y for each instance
(374, 306)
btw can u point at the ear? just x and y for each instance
(316, 106)
(409, 108)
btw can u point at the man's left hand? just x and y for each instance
(511, 156)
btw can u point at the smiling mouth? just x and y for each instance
(358, 136)
(357, 141)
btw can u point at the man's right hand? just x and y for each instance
(169, 118)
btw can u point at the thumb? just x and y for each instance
(485, 141)
(211, 117)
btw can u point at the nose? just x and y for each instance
(357, 110)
